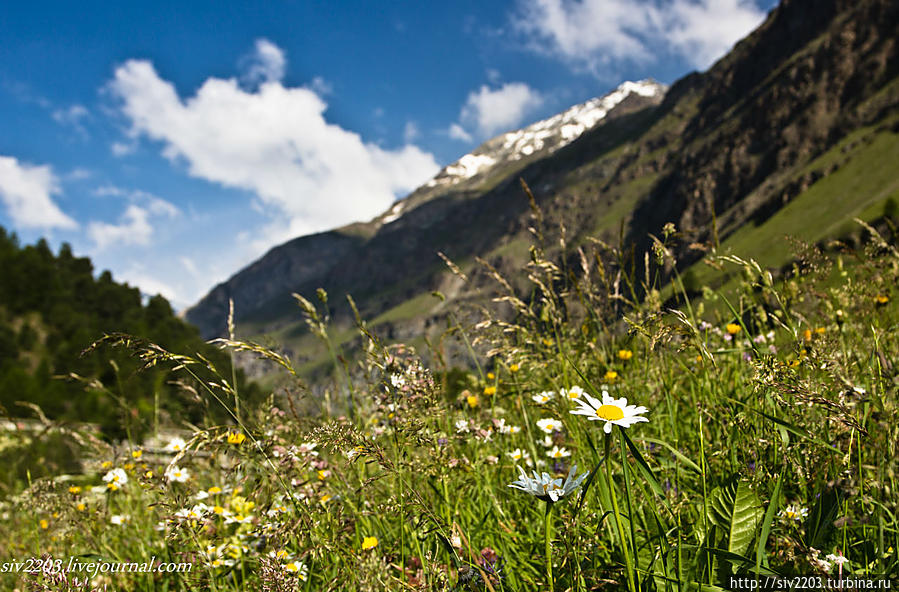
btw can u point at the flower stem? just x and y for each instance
(547, 542)
(622, 538)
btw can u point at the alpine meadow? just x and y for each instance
(646, 344)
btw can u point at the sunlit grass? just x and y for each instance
(762, 441)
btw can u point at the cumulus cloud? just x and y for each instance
(704, 31)
(273, 141)
(134, 227)
(266, 64)
(597, 33)
(27, 192)
(488, 111)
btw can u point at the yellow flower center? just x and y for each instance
(609, 412)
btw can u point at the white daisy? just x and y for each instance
(115, 478)
(572, 394)
(119, 519)
(550, 425)
(543, 398)
(177, 474)
(462, 426)
(176, 445)
(519, 454)
(307, 448)
(557, 452)
(610, 410)
(839, 560)
(547, 488)
(794, 512)
(298, 568)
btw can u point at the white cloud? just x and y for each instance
(26, 191)
(78, 174)
(489, 111)
(704, 31)
(154, 204)
(410, 132)
(275, 142)
(596, 33)
(321, 87)
(123, 148)
(149, 284)
(266, 64)
(72, 117)
(134, 226)
(457, 132)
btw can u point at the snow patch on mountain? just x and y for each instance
(549, 134)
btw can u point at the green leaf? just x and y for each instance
(647, 473)
(747, 511)
(766, 523)
(679, 455)
(737, 509)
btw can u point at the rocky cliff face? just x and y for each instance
(805, 79)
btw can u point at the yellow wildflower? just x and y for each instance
(74, 489)
(236, 438)
(80, 507)
(136, 454)
(491, 376)
(611, 375)
(733, 328)
(625, 354)
(472, 401)
(44, 524)
(513, 368)
(369, 542)
(881, 299)
(490, 390)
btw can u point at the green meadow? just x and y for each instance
(598, 438)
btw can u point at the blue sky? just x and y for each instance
(175, 142)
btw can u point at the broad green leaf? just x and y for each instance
(737, 509)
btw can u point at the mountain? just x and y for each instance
(308, 262)
(795, 131)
